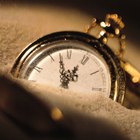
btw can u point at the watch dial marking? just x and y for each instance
(99, 89)
(60, 57)
(38, 69)
(74, 69)
(67, 76)
(69, 53)
(94, 72)
(51, 57)
(84, 60)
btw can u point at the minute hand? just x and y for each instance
(63, 76)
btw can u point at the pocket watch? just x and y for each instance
(84, 62)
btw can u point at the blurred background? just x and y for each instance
(23, 21)
(128, 9)
(40, 17)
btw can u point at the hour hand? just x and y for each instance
(63, 76)
(74, 75)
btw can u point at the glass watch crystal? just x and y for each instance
(74, 61)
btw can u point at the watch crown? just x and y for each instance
(114, 20)
(113, 24)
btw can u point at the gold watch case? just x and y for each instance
(117, 73)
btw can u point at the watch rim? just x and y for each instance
(117, 81)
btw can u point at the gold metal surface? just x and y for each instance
(91, 25)
(114, 23)
(110, 28)
(117, 20)
(115, 91)
(131, 70)
(56, 114)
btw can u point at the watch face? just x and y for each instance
(74, 61)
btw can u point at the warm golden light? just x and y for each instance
(56, 114)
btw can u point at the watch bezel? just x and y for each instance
(117, 74)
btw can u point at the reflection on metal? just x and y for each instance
(135, 74)
(116, 91)
(110, 28)
(56, 114)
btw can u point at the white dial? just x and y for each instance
(72, 66)
(72, 61)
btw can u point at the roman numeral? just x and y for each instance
(60, 57)
(84, 60)
(38, 69)
(51, 57)
(69, 52)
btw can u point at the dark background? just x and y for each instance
(128, 9)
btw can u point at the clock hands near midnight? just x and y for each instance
(90, 50)
(67, 75)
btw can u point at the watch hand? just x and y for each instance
(63, 76)
(62, 68)
(74, 74)
(67, 76)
